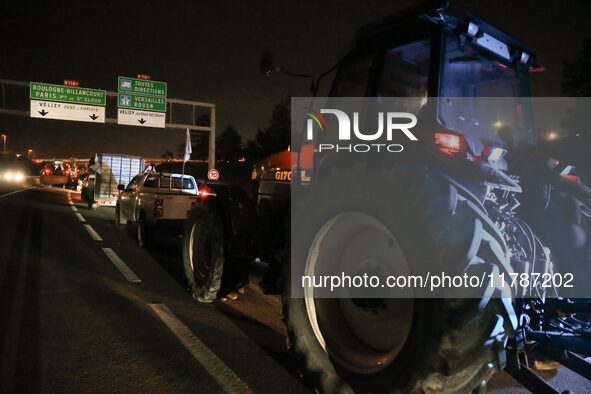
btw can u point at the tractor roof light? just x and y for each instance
(473, 29)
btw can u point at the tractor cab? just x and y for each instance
(474, 76)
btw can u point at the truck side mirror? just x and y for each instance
(120, 187)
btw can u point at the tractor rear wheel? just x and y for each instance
(393, 344)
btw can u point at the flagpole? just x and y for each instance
(186, 157)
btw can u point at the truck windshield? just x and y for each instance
(483, 98)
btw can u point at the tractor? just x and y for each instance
(472, 194)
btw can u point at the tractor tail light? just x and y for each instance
(205, 192)
(450, 143)
(158, 207)
(572, 178)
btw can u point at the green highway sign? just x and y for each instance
(137, 101)
(141, 86)
(67, 94)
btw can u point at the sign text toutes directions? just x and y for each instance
(142, 86)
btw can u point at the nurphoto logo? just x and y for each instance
(389, 123)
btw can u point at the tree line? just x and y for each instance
(229, 144)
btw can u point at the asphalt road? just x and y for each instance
(84, 309)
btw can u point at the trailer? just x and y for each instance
(107, 170)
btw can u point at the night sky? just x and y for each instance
(210, 51)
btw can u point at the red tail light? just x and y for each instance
(572, 178)
(205, 192)
(67, 172)
(158, 207)
(46, 171)
(450, 143)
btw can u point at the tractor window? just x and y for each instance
(406, 71)
(353, 76)
(484, 98)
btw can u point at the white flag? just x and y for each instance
(188, 149)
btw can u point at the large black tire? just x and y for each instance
(451, 345)
(203, 253)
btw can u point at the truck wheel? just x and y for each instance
(394, 344)
(119, 222)
(203, 253)
(144, 233)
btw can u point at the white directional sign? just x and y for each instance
(67, 111)
(134, 117)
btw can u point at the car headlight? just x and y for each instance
(8, 176)
(19, 176)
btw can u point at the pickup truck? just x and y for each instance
(155, 200)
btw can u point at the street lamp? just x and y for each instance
(29, 152)
(4, 136)
(552, 135)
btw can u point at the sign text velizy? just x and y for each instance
(67, 111)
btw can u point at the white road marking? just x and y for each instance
(13, 323)
(16, 191)
(92, 233)
(80, 217)
(74, 208)
(223, 375)
(121, 266)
